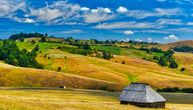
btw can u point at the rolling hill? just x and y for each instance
(134, 69)
(177, 44)
(78, 71)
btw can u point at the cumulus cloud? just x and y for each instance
(122, 9)
(128, 32)
(84, 9)
(171, 37)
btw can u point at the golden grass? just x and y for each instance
(185, 60)
(134, 70)
(28, 77)
(31, 99)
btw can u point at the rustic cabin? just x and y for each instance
(142, 95)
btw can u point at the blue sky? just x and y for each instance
(143, 20)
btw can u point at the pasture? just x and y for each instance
(60, 99)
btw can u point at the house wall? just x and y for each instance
(148, 105)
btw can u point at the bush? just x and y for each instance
(183, 69)
(175, 89)
(162, 61)
(173, 64)
(59, 69)
(123, 62)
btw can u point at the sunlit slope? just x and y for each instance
(185, 60)
(113, 71)
(28, 77)
(52, 99)
(177, 44)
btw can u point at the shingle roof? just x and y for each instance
(140, 92)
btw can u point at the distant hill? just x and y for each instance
(177, 44)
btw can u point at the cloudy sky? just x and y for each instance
(147, 20)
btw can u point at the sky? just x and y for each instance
(141, 20)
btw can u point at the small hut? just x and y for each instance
(142, 95)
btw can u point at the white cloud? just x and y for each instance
(138, 40)
(168, 12)
(127, 25)
(171, 37)
(98, 15)
(140, 14)
(107, 10)
(149, 39)
(28, 20)
(56, 13)
(128, 32)
(190, 23)
(101, 10)
(9, 9)
(84, 9)
(46, 14)
(122, 9)
(169, 21)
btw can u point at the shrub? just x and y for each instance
(183, 69)
(173, 64)
(162, 61)
(59, 69)
(123, 62)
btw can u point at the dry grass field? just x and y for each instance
(58, 99)
(134, 69)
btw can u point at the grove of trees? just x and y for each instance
(11, 54)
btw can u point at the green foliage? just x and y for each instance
(10, 53)
(175, 89)
(75, 50)
(22, 35)
(173, 64)
(168, 89)
(184, 49)
(162, 61)
(107, 55)
(169, 55)
(111, 49)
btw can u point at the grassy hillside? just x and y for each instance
(177, 44)
(28, 77)
(39, 99)
(134, 69)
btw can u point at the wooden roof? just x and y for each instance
(140, 92)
